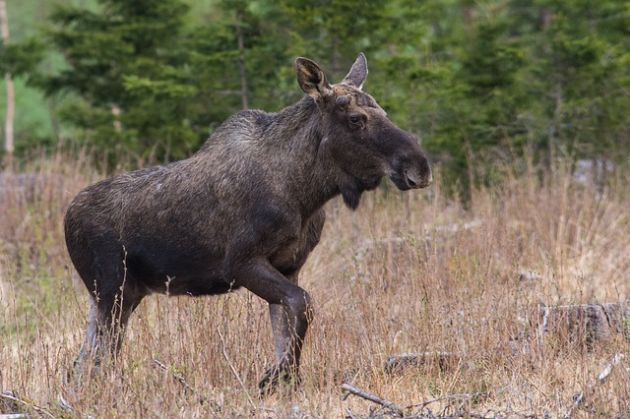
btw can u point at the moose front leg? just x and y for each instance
(290, 309)
(288, 340)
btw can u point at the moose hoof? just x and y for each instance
(86, 366)
(276, 376)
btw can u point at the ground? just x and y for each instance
(407, 272)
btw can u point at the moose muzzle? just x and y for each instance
(411, 168)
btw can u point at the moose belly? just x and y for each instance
(166, 270)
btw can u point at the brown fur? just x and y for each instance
(244, 211)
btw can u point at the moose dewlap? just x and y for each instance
(244, 211)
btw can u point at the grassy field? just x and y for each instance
(412, 272)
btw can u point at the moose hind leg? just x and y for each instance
(112, 317)
(108, 317)
(89, 346)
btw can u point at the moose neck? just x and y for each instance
(309, 173)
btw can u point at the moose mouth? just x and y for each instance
(405, 180)
(400, 182)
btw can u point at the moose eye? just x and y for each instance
(356, 119)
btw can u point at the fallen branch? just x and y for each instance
(349, 414)
(444, 360)
(67, 407)
(462, 396)
(580, 398)
(373, 398)
(9, 395)
(179, 377)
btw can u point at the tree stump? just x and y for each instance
(587, 323)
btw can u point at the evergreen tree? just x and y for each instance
(478, 81)
(127, 64)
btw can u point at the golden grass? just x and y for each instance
(411, 272)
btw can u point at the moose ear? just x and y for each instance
(358, 72)
(312, 78)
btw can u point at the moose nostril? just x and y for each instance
(411, 180)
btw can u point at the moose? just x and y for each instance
(243, 211)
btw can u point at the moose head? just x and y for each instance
(363, 144)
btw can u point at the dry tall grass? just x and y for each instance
(410, 272)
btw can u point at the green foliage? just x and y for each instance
(480, 81)
(21, 58)
(126, 64)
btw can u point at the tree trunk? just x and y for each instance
(553, 130)
(241, 62)
(468, 12)
(116, 116)
(8, 123)
(546, 17)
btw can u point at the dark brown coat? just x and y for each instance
(244, 211)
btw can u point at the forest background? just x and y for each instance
(482, 82)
